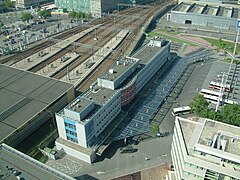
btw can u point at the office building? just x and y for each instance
(31, 3)
(233, 3)
(82, 124)
(213, 16)
(205, 149)
(95, 7)
(28, 101)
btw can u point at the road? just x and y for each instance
(116, 164)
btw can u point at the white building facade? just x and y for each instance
(205, 149)
(82, 122)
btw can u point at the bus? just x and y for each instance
(212, 99)
(128, 149)
(210, 92)
(181, 110)
(228, 101)
(217, 85)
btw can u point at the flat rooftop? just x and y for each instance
(79, 104)
(118, 68)
(228, 132)
(99, 94)
(24, 166)
(204, 132)
(23, 95)
(146, 53)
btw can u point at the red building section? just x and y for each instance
(128, 93)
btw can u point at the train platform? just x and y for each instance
(36, 59)
(78, 74)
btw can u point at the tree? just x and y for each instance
(1, 24)
(8, 4)
(213, 115)
(88, 15)
(44, 13)
(72, 14)
(26, 17)
(155, 128)
(230, 114)
(199, 104)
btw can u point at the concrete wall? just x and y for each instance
(73, 114)
(61, 127)
(203, 20)
(106, 83)
(77, 154)
(81, 135)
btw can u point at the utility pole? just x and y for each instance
(220, 97)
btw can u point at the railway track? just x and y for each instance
(112, 58)
(85, 55)
(26, 53)
(83, 40)
(64, 35)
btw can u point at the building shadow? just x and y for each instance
(111, 150)
(85, 177)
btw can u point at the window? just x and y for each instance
(71, 126)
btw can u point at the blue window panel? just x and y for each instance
(69, 122)
(71, 136)
(70, 129)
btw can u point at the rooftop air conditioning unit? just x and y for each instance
(111, 71)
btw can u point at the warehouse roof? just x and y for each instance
(16, 165)
(23, 95)
(206, 9)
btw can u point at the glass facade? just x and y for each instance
(70, 128)
(74, 5)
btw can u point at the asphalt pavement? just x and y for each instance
(152, 152)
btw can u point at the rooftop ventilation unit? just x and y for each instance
(111, 71)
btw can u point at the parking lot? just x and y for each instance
(19, 35)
